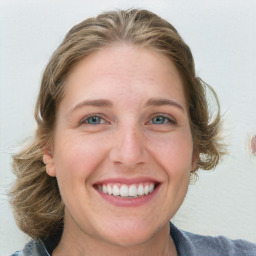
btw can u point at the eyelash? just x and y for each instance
(165, 119)
(99, 116)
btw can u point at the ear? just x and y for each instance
(195, 159)
(49, 162)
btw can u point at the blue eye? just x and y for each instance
(94, 120)
(161, 120)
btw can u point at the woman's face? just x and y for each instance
(123, 149)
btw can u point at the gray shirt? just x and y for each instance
(187, 244)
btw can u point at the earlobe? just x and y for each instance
(49, 162)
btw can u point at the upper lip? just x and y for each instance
(127, 181)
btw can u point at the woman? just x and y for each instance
(123, 125)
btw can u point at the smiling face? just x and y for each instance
(123, 149)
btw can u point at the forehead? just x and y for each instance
(125, 70)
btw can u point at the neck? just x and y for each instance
(85, 245)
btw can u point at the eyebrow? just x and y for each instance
(96, 103)
(162, 102)
(108, 103)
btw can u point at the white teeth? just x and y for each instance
(109, 189)
(124, 191)
(116, 190)
(104, 189)
(151, 187)
(134, 190)
(146, 190)
(140, 190)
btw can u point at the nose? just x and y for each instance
(129, 148)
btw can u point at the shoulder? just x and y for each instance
(193, 244)
(33, 248)
(221, 245)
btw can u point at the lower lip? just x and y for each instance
(129, 202)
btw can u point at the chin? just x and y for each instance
(129, 236)
(130, 240)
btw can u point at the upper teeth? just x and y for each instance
(133, 190)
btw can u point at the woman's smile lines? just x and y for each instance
(128, 191)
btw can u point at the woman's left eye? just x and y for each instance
(94, 120)
(159, 119)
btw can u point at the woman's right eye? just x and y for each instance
(94, 120)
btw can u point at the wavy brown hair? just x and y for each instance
(35, 197)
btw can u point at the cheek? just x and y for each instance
(77, 157)
(173, 151)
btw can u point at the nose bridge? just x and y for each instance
(129, 148)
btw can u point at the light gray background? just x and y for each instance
(222, 36)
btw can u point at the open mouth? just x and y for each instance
(127, 191)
